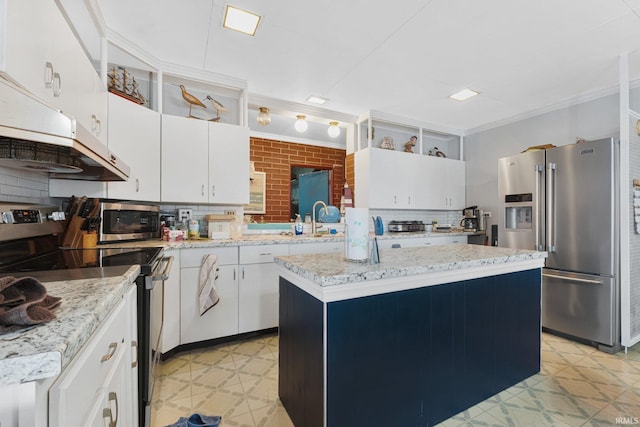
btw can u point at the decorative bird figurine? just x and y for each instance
(218, 107)
(191, 100)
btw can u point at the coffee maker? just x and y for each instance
(470, 218)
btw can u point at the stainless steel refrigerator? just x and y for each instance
(564, 201)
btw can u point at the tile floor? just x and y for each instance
(577, 386)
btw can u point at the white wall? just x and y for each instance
(590, 120)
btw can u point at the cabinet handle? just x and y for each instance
(57, 85)
(242, 273)
(113, 397)
(409, 199)
(137, 185)
(395, 200)
(234, 274)
(134, 347)
(106, 413)
(213, 190)
(48, 74)
(112, 350)
(94, 119)
(202, 189)
(98, 126)
(265, 253)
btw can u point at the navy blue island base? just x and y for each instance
(408, 358)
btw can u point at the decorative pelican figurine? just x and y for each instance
(191, 100)
(218, 107)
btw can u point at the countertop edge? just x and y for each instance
(400, 283)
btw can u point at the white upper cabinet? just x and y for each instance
(228, 164)
(204, 162)
(134, 133)
(406, 166)
(185, 160)
(41, 54)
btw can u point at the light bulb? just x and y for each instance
(301, 124)
(264, 118)
(334, 130)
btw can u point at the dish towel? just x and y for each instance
(207, 294)
(24, 302)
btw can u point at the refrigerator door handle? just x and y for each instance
(539, 171)
(573, 279)
(551, 208)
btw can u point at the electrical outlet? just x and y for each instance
(184, 213)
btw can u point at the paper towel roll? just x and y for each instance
(356, 237)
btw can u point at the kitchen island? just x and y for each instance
(426, 333)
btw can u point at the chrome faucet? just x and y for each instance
(313, 215)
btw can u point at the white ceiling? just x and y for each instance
(403, 57)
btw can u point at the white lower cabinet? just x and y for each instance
(420, 241)
(171, 320)
(259, 290)
(96, 388)
(222, 319)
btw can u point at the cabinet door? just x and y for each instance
(37, 48)
(258, 305)
(134, 133)
(228, 164)
(389, 180)
(185, 160)
(112, 406)
(92, 106)
(219, 321)
(455, 184)
(171, 323)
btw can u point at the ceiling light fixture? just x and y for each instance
(463, 94)
(334, 130)
(241, 20)
(316, 100)
(264, 118)
(301, 124)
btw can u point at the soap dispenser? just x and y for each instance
(299, 226)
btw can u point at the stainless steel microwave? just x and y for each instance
(123, 221)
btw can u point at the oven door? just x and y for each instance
(154, 316)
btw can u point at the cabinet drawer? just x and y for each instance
(193, 257)
(316, 248)
(262, 253)
(72, 395)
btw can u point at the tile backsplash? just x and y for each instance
(23, 186)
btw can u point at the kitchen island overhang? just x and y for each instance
(423, 335)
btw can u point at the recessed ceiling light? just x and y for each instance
(463, 94)
(241, 20)
(316, 99)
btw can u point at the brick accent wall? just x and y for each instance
(276, 158)
(351, 173)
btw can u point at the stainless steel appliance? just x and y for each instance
(125, 221)
(38, 138)
(564, 201)
(406, 226)
(29, 243)
(469, 221)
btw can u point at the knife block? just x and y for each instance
(73, 235)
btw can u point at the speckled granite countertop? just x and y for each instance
(326, 273)
(269, 239)
(43, 351)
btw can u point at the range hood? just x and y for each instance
(37, 137)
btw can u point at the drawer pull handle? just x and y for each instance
(265, 253)
(56, 85)
(113, 397)
(134, 347)
(112, 350)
